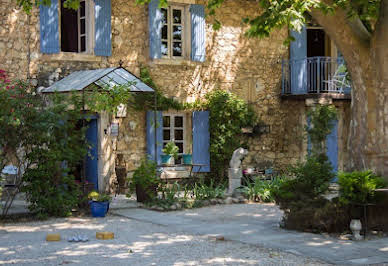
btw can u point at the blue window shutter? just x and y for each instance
(298, 62)
(332, 146)
(154, 28)
(49, 28)
(103, 43)
(201, 141)
(151, 128)
(91, 160)
(198, 33)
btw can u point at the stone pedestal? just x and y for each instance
(234, 175)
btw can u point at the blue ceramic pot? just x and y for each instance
(99, 209)
(187, 158)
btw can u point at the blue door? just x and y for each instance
(91, 166)
(332, 147)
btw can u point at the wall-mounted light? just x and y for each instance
(257, 130)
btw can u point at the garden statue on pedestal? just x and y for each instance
(235, 171)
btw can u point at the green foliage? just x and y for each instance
(292, 14)
(145, 176)
(100, 197)
(358, 187)
(41, 139)
(171, 149)
(108, 98)
(202, 191)
(228, 114)
(261, 190)
(322, 118)
(308, 181)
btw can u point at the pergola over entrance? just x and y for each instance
(88, 80)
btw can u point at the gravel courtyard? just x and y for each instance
(135, 243)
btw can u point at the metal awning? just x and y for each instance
(79, 80)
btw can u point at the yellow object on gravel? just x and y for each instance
(105, 235)
(53, 237)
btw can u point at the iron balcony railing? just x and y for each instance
(315, 75)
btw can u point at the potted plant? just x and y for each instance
(187, 157)
(99, 203)
(170, 153)
(144, 181)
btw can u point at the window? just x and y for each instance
(174, 130)
(173, 32)
(75, 28)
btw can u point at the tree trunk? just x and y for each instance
(367, 63)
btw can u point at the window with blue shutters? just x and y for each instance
(177, 31)
(86, 30)
(190, 132)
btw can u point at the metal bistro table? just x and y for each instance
(191, 166)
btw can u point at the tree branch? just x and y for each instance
(359, 29)
(336, 25)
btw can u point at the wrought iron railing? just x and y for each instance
(315, 75)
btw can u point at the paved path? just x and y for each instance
(258, 224)
(136, 243)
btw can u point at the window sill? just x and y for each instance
(174, 62)
(65, 56)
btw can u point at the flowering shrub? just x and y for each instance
(42, 141)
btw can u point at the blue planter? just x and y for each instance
(187, 158)
(99, 209)
(166, 159)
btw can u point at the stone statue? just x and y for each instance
(235, 171)
(237, 156)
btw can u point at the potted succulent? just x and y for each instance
(144, 181)
(99, 203)
(170, 153)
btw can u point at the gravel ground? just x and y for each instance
(135, 243)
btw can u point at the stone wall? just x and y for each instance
(250, 68)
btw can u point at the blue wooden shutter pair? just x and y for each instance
(49, 28)
(298, 62)
(198, 33)
(201, 138)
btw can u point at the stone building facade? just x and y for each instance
(250, 68)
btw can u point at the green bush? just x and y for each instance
(146, 178)
(358, 187)
(308, 181)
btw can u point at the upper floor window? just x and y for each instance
(172, 32)
(86, 30)
(177, 31)
(75, 27)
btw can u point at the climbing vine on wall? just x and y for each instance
(321, 122)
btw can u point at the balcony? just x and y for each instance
(315, 77)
